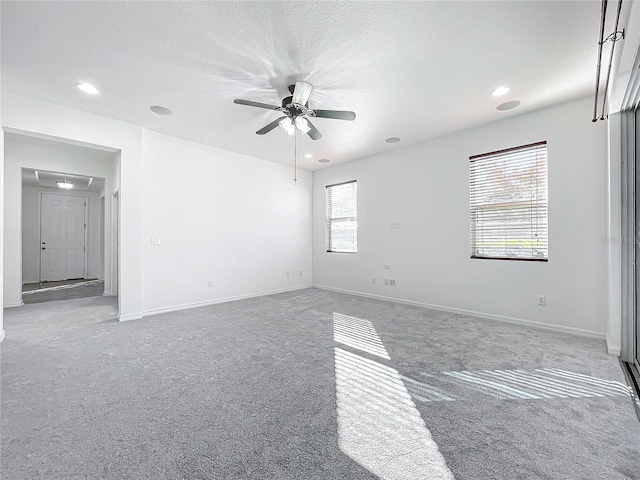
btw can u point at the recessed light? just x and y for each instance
(87, 88)
(508, 105)
(308, 155)
(392, 140)
(160, 110)
(498, 92)
(324, 160)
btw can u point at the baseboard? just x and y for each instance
(1, 336)
(187, 306)
(473, 313)
(128, 318)
(13, 305)
(108, 294)
(612, 348)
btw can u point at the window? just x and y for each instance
(508, 200)
(341, 224)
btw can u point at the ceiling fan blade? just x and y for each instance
(249, 103)
(313, 132)
(301, 93)
(338, 114)
(269, 127)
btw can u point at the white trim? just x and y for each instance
(612, 349)
(490, 316)
(2, 336)
(13, 305)
(186, 306)
(127, 318)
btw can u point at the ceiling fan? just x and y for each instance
(297, 112)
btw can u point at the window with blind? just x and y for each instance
(341, 226)
(508, 202)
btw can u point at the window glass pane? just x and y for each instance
(341, 218)
(508, 200)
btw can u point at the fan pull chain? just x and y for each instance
(295, 157)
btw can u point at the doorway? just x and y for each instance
(62, 225)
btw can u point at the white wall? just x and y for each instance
(240, 222)
(425, 188)
(31, 200)
(16, 157)
(237, 221)
(24, 114)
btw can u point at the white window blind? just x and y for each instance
(341, 226)
(508, 200)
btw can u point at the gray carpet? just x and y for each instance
(278, 387)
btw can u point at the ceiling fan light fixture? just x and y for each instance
(287, 125)
(302, 124)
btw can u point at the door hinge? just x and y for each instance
(85, 225)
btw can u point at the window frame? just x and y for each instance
(473, 232)
(329, 221)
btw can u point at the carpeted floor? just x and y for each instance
(63, 290)
(306, 385)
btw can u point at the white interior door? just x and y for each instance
(62, 237)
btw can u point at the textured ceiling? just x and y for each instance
(414, 70)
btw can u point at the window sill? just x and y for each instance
(511, 259)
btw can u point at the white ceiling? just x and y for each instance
(44, 178)
(415, 70)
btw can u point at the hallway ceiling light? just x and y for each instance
(308, 155)
(87, 88)
(498, 92)
(64, 184)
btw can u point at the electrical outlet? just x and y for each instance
(288, 274)
(542, 300)
(210, 283)
(155, 241)
(300, 272)
(387, 267)
(373, 280)
(386, 281)
(392, 283)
